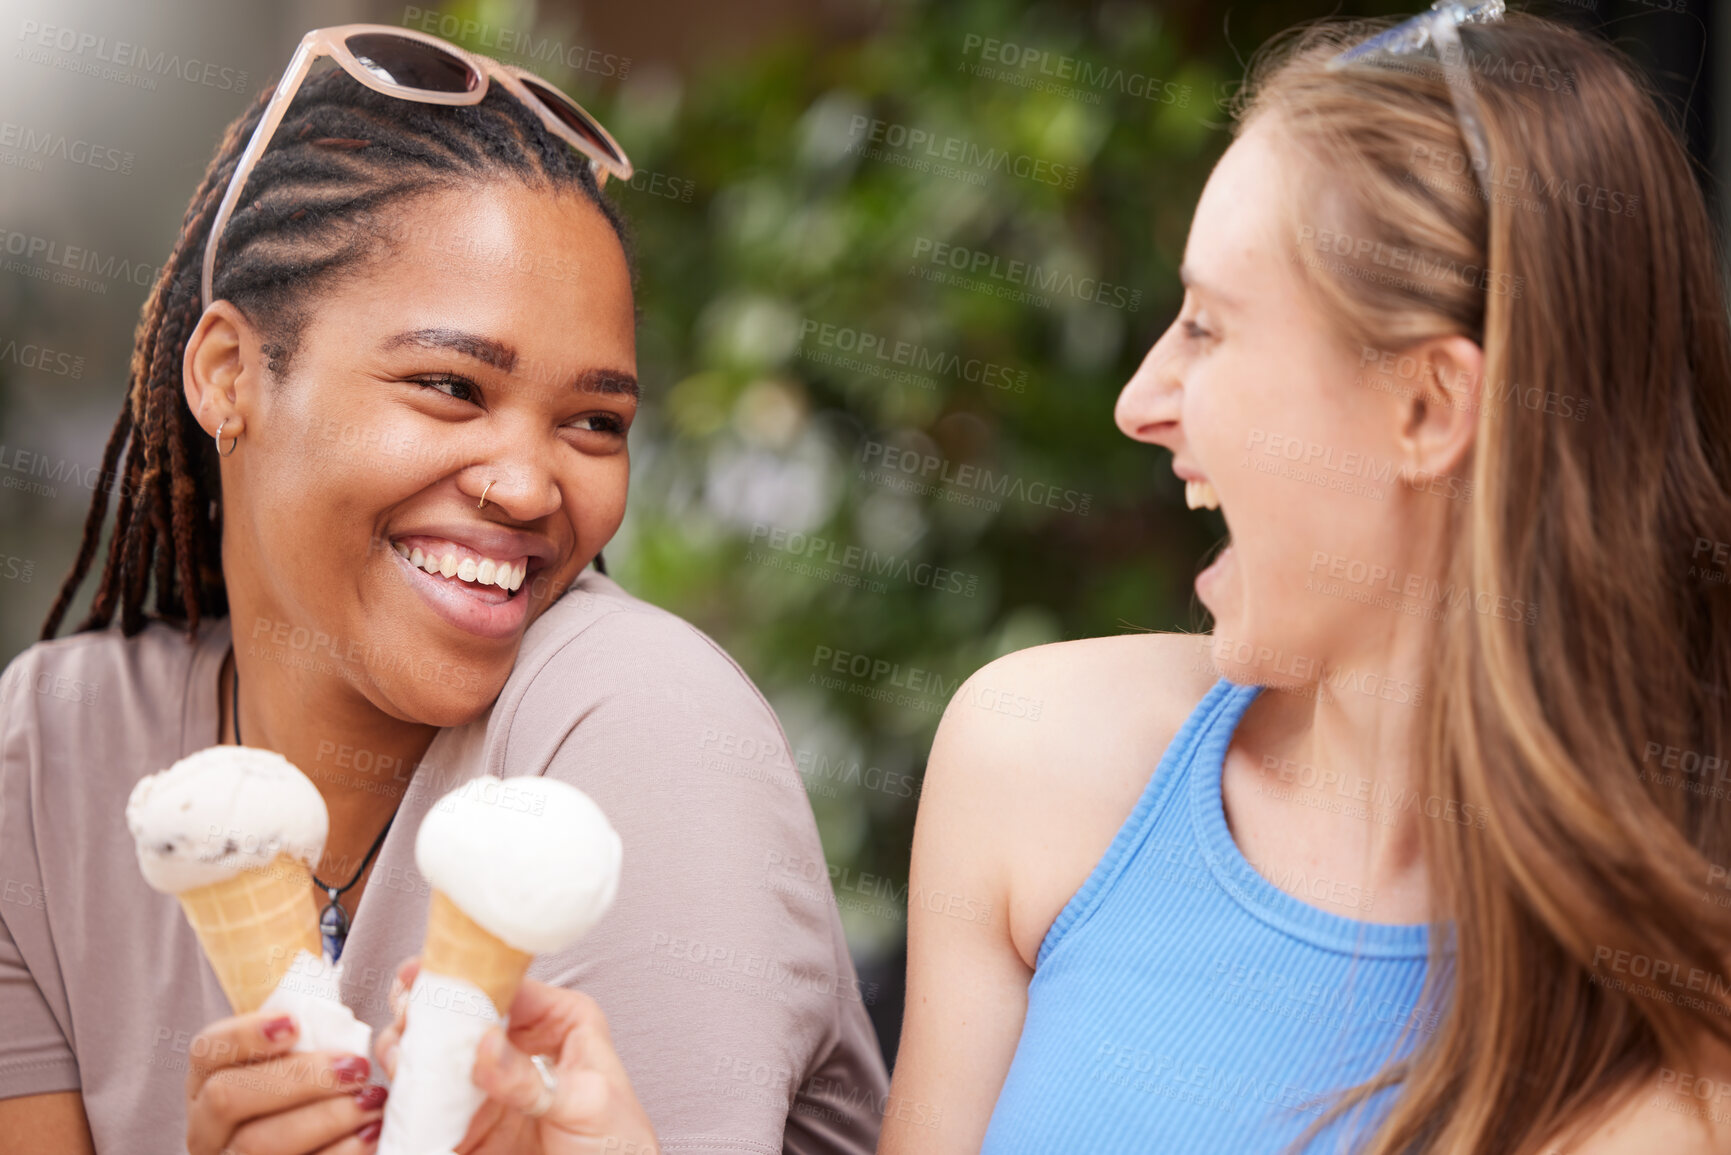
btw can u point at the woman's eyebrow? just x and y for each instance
(614, 382)
(503, 357)
(483, 349)
(1187, 277)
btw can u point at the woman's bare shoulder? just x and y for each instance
(1041, 756)
(1079, 700)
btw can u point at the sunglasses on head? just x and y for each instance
(1439, 28)
(412, 65)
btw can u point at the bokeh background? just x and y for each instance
(811, 373)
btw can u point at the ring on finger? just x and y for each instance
(549, 1087)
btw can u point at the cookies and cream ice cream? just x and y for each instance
(220, 811)
(234, 832)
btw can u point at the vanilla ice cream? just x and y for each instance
(532, 860)
(517, 866)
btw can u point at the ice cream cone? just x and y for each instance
(517, 867)
(252, 925)
(457, 946)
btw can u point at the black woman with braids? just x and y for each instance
(373, 443)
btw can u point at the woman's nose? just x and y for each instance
(1149, 405)
(514, 488)
(514, 474)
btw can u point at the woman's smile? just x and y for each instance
(474, 586)
(1199, 493)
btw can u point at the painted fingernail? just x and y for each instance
(279, 1028)
(371, 1097)
(351, 1069)
(370, 1133)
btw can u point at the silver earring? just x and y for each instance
(233, 441)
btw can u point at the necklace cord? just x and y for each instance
(234, 712)
(377, 842)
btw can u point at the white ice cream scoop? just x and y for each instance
(234, 832)
(220, 811)
(517, 866)
(532, 859)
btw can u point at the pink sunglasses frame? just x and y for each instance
(483, 70)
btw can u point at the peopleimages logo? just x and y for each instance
(22, 146)
(915, 146)
(90, 52)
(867, 352)
(517, 43)
(927, 474)
(19, 466)
(1423, 266)
(858, 561)
(62, 263)
(1052, 71)
(43, 359)
(1024, 275)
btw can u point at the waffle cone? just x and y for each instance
(461, 948)
(251, 926)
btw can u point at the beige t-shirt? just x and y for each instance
(732, 1001)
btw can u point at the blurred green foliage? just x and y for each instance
(803, 211)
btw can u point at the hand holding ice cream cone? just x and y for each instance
(234, 832)
(517, 866)
(575, 1102)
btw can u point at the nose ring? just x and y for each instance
(484, 489)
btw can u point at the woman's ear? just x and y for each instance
(221, 350)
(1440, 418)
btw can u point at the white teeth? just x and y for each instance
(482, 571)
(1200, 495)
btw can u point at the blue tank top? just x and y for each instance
(1181, 1002)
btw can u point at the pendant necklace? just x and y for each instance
(334, 918)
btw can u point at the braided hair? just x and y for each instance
(342, 154)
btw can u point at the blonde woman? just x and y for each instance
(1420, 850)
